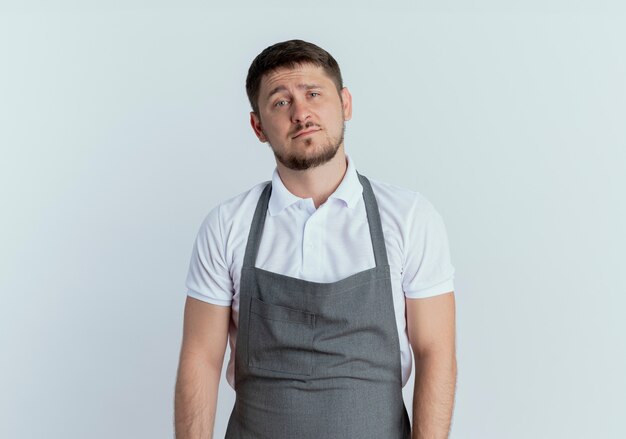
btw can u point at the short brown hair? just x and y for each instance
(289, 54)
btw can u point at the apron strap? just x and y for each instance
(256, 229)
(373, 219)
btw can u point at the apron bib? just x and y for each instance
(317, 360)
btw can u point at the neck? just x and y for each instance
(317, 183)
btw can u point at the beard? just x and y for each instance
(302, 161)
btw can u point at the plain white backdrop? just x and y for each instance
(123, 123)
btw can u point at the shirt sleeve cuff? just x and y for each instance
(434, 290)
(207, 299)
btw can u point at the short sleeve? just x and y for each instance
(427, 269)
(208, 278)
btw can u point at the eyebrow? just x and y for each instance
(300, 86)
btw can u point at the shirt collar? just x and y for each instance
(349, 191)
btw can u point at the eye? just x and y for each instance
(280, 103)
(315, 93)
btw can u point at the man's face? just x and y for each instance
(301, 116)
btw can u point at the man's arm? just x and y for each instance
(205, 334)
(431, 328)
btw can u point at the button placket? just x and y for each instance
(311, 243)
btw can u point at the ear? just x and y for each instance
(255, 121)
(346, 98)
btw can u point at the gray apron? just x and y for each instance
(317, 360)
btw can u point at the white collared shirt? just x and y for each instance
(325, 244)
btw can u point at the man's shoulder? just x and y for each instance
(229, 210)
(398, 200)
(242, 199)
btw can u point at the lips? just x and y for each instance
(302, 133)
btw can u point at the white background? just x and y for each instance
(122, 123)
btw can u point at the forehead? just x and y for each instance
(301, 74)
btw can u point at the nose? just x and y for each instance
(300, 111)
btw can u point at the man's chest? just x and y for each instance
(323, 245)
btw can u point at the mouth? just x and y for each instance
(305, 133)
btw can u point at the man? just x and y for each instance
(323, 279)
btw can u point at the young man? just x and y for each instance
(323, 279)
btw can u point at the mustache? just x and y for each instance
(306, 126)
